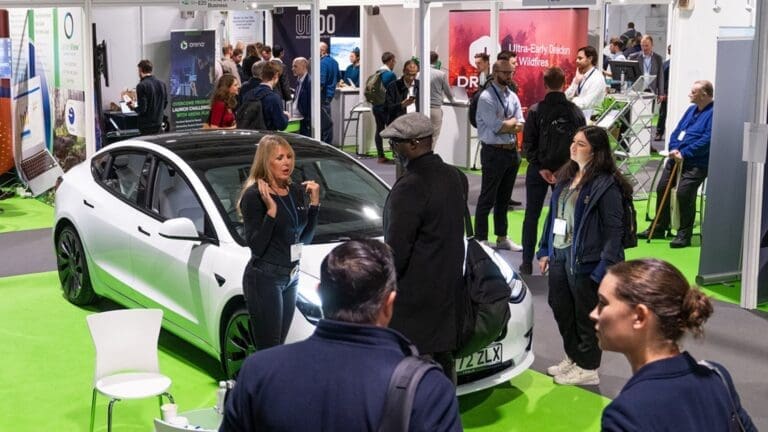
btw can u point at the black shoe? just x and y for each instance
(680, 241)
(658, 233)
(526, 268)
(513, 203)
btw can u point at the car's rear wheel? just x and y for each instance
(73, 267)
(237, 342)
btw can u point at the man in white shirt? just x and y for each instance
(587, 90)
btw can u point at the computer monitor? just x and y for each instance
(630, 68)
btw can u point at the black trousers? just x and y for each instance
(499, 173)
(662, 118)
(271, 301)
(381, 123)
(305, 127)
(326, 123)
(572, 297)
(690, 180)
(535, 194)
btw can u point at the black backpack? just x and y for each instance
(250, 115)
(473, 104)
(484, 299)
(401, 392)
(556, 133)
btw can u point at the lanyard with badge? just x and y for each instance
(561, 224)
(504, 103)
(690, 121)
(581, 84)
(293, 213)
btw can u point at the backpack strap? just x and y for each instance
(396, 416)
(736, 410)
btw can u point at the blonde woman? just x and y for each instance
(279, 216)
(223, 103)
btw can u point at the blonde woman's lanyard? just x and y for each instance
(293, 213)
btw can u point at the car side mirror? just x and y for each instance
(180, 229)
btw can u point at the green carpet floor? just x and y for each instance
(20, 214)
(45, 382)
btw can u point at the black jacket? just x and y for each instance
(152, 99)
(555, 105)
(424, 225)
(397, 92)
(599, 226)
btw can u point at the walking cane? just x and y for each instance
(663, 199)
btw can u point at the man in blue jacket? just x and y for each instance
(337, 379)
(689, 145)
(275, 117)
(329, 77)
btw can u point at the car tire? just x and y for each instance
(72, 266)
(237, 342)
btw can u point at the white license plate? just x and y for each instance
(486, 357)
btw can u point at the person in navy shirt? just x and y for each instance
(329, 77)
(645, 307)
(337, 379)
(688, 145)
(352, 74)
(275, 117)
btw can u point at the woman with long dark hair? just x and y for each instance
(223, 103)
(279, 217)
(645, 307)
(582, 237)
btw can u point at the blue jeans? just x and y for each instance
(271, 302)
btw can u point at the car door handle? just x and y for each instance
(141, 230)
(86, 203)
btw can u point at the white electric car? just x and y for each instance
(152, 223)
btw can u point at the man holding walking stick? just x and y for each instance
(689, 146)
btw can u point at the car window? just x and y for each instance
(99, 165)
(351, 200)
(172, 197)
(127, 176)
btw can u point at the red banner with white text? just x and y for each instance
(541, 39)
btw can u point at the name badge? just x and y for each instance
(681, 135)
(296, 252)
(559, 227)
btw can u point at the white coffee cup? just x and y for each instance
(169, 411)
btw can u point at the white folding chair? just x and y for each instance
(126, 357)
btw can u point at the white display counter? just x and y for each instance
(458, 139)
(344, 100)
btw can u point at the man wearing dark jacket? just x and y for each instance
(283, 86)
(547, 149)
(301, 105)
(424, 225)
(275, 118)
(152, 99)
(337, 379)
(403, 94)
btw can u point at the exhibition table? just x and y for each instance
(344, 100)
(458, 139)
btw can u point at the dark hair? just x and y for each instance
(602, 161)
(506, 55)
(387, 56)
(410, 62)
(630, 25)
(433, 57)
(591, 52)
(221, 93)
(145, 66)
(355, 279)
(237, 52)
(226, 49)
(251, 50)
(270, 69)
(483, 56)
(664, 290)
(554, 78)
(616, 41)
(266, 48)
(277, 51)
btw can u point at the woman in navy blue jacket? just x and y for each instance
(582, 237)
(645, 306)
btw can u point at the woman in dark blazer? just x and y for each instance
(582, 237)
(645, 306)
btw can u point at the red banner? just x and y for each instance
(541, 39)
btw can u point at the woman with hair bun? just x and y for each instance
(645, 307)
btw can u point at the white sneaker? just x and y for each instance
(561, 368)
(485, 243)
(509, 245)
(578, 376)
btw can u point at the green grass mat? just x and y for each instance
(49, 360)
(19, 214)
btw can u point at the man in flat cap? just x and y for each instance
(424, 226)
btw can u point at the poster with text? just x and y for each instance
(292, 29)
(541, 39)
(245, 26)
(192, 77)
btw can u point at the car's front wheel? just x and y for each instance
(73, 268)
(237, 342)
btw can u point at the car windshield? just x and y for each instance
(352, 200)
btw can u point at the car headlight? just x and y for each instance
(307, 299)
